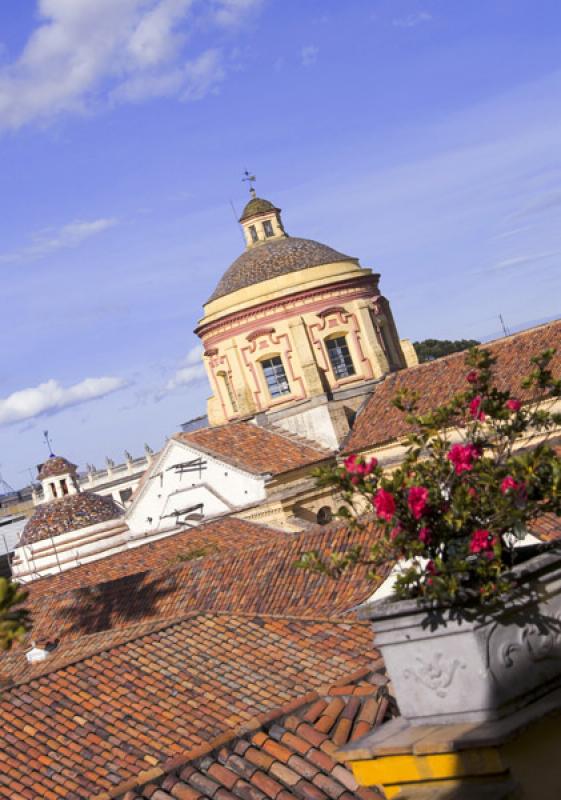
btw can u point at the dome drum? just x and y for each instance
(291, 320)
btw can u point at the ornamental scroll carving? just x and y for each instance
(436, 674)
(526, 654)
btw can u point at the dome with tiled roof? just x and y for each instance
(271, 259)
(56, 465)
(257, 205)
(67, 514)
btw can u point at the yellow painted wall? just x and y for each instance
(295, 329)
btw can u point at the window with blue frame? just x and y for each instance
(275, 376)
(340, 357)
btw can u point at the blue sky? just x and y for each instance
(423, 137)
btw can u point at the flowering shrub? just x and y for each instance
(476, 472)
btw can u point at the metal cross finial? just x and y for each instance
(251, 180)
(48, 443)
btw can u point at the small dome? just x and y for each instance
(257, 206)
(274, 258)
(68, 514)
(56, 465)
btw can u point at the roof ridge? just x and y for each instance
(286, 544)
(185, 437)
(243, 729)
(164, 624)
(170, 533)
(490, 343)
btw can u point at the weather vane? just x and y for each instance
(48, 443)
(251, 180)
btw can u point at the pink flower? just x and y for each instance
(417, 500)
(482, 542)
(513, 404)
(462, 457)
(425, 536)
(508, 484)
(472, 376)
(475, 408)
(472, 492)
(356, 466)
(355, 480)
(430, 570)
(384, 503)
(368, 466)
(394, 533)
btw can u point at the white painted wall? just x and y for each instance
(220, 487)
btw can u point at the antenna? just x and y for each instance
(506, 331)
(29, 470)
(5, 487)
(48, 443)
(249, 178)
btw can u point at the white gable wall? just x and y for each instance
(167, 489)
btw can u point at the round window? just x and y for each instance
(324, 515)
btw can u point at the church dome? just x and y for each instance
(56, 465)
(274, 258)
(68, 514)
(257, 206)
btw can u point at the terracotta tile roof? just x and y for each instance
(380, 422)
(218, 537)
(260, 580)
(253, 448)
(68, 514)
(274, 258)
(288, 757)
(547, 528)
(90, 725)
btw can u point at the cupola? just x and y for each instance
(58, 478)
(261, 221)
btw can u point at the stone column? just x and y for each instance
(374, 352)
(305, 356)
(240, 387)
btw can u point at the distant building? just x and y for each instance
(67, 526)
(117, 480)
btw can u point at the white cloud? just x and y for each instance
(50, 240)
(309, 55)
(516, 262)
(86, 52)
(51, 396)
(192, 371)
(412, 20)
(230, 12)
(193, 81)
(544, 202)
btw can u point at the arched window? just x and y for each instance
(253, 232)
(274, 373)
(268, 228)
(340, 357)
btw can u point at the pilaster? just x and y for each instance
(380, 365)
(246, 405)
(305, 355)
